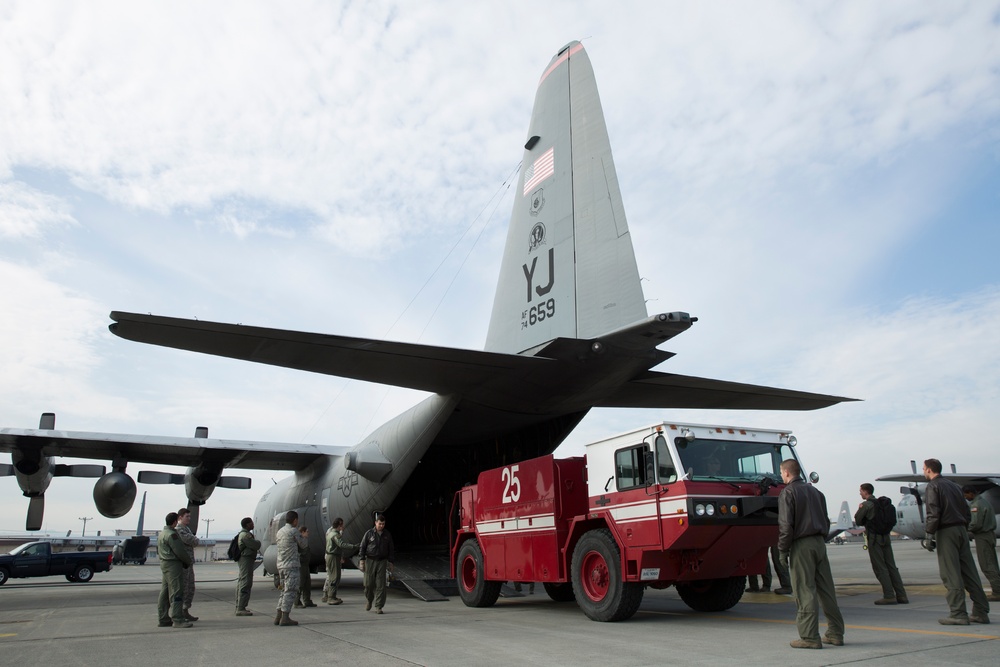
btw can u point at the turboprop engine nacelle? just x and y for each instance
(114, 494)
(33, 472)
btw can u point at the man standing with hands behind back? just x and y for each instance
(249, 546)
(947, 518)
(802, 527)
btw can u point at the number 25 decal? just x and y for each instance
(512, 485)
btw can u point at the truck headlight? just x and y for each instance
(699, 509)
(710, 509)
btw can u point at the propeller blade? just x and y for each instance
(36, 510)
(155, 477)
(79, 470)
(234, 482)
(194, 509)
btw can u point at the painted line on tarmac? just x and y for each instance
(873, 628)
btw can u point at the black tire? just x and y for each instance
(712, 594)
(4, 576)
(70, 578)
(473, 588)
(560, 592)
(597, 579)
(83, 573)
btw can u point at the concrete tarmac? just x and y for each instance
(112, 622)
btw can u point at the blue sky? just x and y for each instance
(817, 182)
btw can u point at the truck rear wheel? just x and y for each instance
(712, 594)
(560, 592)
(598, 582)
(473, 588)
(83, 573)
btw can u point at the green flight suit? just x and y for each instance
(248, 556)
(336, 549)
(813, 587)
(173, 560)
(880, 554)
(983, 526)
(305, 581)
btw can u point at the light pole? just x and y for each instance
(85, 519)
(207, 521)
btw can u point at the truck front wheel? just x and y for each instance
(712, 594)
(83, 573)
(597, 579)
(4, 576)
(473, 588)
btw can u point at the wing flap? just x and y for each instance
(668, 390)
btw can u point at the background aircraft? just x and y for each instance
(910, 513)
(569, 331)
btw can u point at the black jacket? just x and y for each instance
(801, 513)
(377, 546)
(946, 505)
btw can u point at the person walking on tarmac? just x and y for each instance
(174, 560)
(248, 556)
(289, 540)
(880, 549)
(947, 520)
(983, 530)
(375, 559)
(337, 549)
(190, 541)
(802, 527)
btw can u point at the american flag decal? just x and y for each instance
(539, 170)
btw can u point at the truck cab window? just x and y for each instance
(630, 467)
(667, 471)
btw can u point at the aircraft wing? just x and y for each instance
(668, 390)
(958, 478)
(166, 450)
(440, 370)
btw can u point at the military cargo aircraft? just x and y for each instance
(569, 332)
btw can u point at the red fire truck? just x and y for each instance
(687, 505)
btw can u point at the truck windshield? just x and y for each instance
(731, 459)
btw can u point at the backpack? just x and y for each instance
(234, 552)
(884, 519)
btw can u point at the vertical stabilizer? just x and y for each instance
(568, 268)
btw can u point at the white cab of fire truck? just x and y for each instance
(669, 452)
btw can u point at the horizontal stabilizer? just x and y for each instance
(667, 390)
(440, 370)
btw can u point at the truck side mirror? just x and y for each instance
(650, 468)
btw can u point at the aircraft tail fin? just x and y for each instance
(569, 269)
(844, 519)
